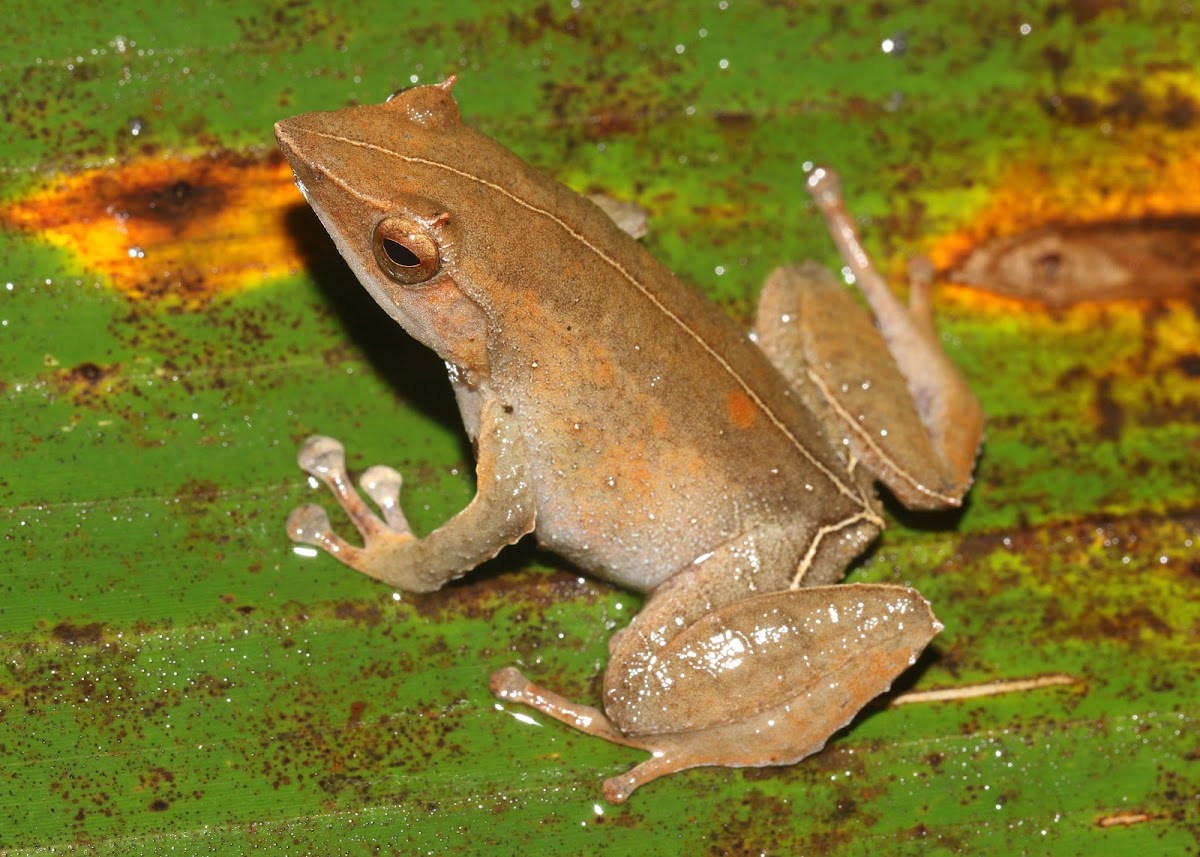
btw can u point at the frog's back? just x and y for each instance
(656, 430)
(650, 417)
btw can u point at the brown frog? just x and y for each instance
(643, 436)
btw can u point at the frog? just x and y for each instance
(643, 436)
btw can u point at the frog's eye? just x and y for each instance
(406, 251)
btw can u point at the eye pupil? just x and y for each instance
(406, 250)
(399, 254)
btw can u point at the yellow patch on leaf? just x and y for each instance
(172, 228)
(1128, 185)
(1119, 225)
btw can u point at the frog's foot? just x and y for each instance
(500, 513)
(881, 382)
(777, 738)
(510, 685)
(943, 400)
(324, 459)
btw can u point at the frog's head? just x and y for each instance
(447, 229)
(383, 181)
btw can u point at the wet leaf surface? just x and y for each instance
(175, 678)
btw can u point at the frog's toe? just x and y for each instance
(306, 525)
(309, 525)
(382, 484)
(322, 457)
(618, 789)
(509, 683)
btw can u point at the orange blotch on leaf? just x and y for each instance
(173, 228)
(1089, 221)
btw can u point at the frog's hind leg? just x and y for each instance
(785, 670)
(726, 666)
(884, 386)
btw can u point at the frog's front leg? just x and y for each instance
(501, 512)
(886, 388)
(714, 671)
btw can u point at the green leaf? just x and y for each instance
(175, 677)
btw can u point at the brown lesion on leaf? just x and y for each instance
(1165, 99)
(85, 383)
(172, 228)
(1148, 258)
(1114, 222)
(91, 634)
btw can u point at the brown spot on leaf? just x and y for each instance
(611, 121)
(87, 382)
(357, 709)
(1109, 412)
(78, 635)
(1123, 225)
(1189, 365)
(1147, 101)
(1147, 258)
(88, 373)
(358, 612)
(1083, 11)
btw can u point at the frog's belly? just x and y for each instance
(637, 521)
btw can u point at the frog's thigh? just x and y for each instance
(829, 350)
(761, 680)
(657, 678)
